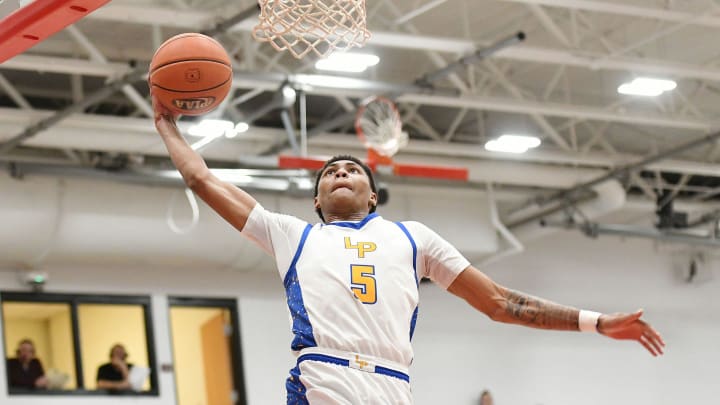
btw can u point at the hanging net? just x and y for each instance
(318, 26)
(379, 126)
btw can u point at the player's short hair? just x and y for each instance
(353, 159)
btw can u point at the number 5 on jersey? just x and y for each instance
(362, 283)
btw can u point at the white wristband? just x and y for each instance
(588, 320)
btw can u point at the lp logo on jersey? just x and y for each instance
(361, 247)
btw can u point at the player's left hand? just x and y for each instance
(624, 326)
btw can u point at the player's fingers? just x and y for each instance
(657, 344)
(652, 333)
(643, 341)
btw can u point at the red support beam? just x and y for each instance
(398, 169)
(297, 162)
(38, 21)
(431, 172)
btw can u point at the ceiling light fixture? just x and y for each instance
(211, 128)
(347, 62)
(646, 86)
(241, 127)
(512, 143)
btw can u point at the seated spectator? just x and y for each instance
(25, 371)
(114, 375)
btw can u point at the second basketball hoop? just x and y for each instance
(379, 127)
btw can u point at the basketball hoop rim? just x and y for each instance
(361, 111)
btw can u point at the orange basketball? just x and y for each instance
(190, 74)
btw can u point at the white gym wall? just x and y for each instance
(458, 352)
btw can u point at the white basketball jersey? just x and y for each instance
(353, 286)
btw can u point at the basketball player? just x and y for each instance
(351, 281)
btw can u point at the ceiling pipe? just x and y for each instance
(572, 195)
(603, 199)
(594, 230)
(477, 56)
(712, 216)
(98, 224)
(626, 169)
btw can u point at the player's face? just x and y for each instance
(344, 187)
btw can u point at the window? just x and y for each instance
(72, 336)
(49, 327)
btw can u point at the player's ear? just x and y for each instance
(373, 200)
(316, 203)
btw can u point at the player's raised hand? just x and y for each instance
(164, 118)
(624, 326)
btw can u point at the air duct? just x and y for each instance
(609, 196)
(83, 221)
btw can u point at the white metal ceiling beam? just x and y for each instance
(88, 132)
(14, 95)
(95, 54)
(657, 35)
(198, 20)
(627, 10)
(596, 61)
(554, 109)
(434, 56)
(355, 88)
(465, 101)
(549, 24)
(417, 11)
(539, 119)
(71, 66)
(52, 64)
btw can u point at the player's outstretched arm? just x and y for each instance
(505, 305)
(230, 202)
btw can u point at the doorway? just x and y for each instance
(206, 351)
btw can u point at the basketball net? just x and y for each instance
(379, 127)
(318, 26)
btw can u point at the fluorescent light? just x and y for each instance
(347, 62)
(333, 82)
(645, 86)
(211, 128)
(241, 127)
(203, 142)
(289, 96)
(512, 143)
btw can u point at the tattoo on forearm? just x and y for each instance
(538, 313)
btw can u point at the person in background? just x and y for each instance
(114, 375)
(486, 398)
(26, 371)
